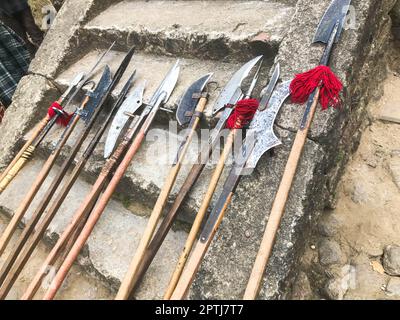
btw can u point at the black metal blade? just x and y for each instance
(337, 11)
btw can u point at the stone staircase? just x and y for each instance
(208, 36)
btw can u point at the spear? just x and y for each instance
(239, 119)
(69, 236)
(159, 98)
(228, 97)
(327, 88)
(260, 139)
(32, 233)
(55, 115)
(195, 99)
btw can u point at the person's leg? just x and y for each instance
(28, 23)
(15, 24)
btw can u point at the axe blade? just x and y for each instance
(337, 11)
(190, 99)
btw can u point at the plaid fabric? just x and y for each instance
(10, 7)
(14, 63)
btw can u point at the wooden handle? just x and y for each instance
(39, 128)
(193, 265)
(12, 173)
(278, 208)
(129, 279)
(26, 202)
(200, 215)
(93, 218)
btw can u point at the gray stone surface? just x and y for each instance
(391, 260)
(358, 61)
(393, 287)
(329, 252)
(328, 226)
(302, 288)
(201, 29)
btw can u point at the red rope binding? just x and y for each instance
(62, 121)
(322, 76)
(243, 113)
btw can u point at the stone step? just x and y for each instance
(153, 69)
(194, 29)
(113, 241)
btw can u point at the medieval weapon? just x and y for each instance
(243, 113)
(326, 88)
(260, 138)
(88, 102)
(191, 109)
(69, 236)
(228, 96)
(10, 272)
(55, 115)
(160, 97)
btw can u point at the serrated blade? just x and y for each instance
(97, 95)
(234, 84)
(269, 89)
(261, 130)
(337, 11)
(131, 104)
(190, 99)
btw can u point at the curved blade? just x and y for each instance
(131, 104)
(96, 97)
(269, 89)
(262, 126)
(234, 84)
(167, 86)
(337, 11)
(190, 99)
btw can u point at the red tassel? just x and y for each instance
(62, 121)
(322, 76)
(243, 113)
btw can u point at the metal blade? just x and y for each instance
(190, 99)
(269, 89)
(132, 103)
(261, 130)
(78, 78)
(167, 85)
(337, 11)
(232, 87)
(89, 74)
(97, 95)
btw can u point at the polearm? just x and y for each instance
(160, 97)
(193, 102)
(228, 95)
(71, 233)
(55, 115)
(20, 212)
(328, 31)
(32, 232)
(260, 138)
(238, 124)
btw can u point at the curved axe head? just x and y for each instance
(336, 12)
(190, 99)
(233, 88)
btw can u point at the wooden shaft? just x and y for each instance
(67, 239)
(128, 282)
(39, 128)
(278, 208)
(20, 212)
(193, 265)
(200, 215)
(17, 167)
(94, 217)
